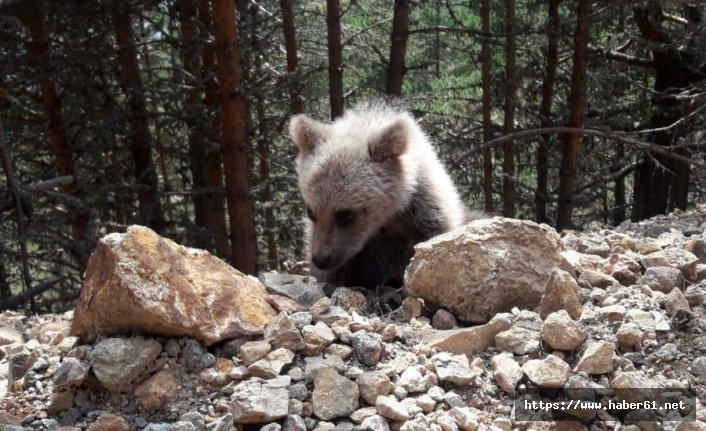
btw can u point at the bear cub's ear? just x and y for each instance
(306, 133)
(390, 143)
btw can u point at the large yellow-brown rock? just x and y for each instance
(485, 268)
(139, 282)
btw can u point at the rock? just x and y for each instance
(412, 381)
(59, 402)
(334, 395)
(257, 401)
(560, 293)
(592, 245)
(591, 278)
(349, 299)
(281, 332)
(412, 307)
(613, 313)
(372, 384)
(196, 419)
(624, 269)
(508, 373)
(317, 337)
(252, 351)
(663, 278)
(597, 359)
(157, 391)
(374, 423)
(675, 302)
(630, 335)
(109, 422)
(518, 340)
(9, 335)
(389, 407)
(192, 355)
(300, 319)
(139, 282)
(294, 423)
(272, 364)
(271, 427)
(561, 332)
(443, 320)
(626, 383)
(368, 348)
(18, 365)
(674, 257)
(465, 418)
(117, 361)
(304, 289)
(550, 372)
(479, 267)
(468, 341)
(340, 350)
(453, 368)
(70, 374)
(697, 247)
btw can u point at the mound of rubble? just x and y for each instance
(599, 311)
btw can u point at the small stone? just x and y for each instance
(362, 413)
(192, 354)
(252, 351)
(196, 419)
(303, 289)
(412, 380)
(390, 408)
(281, 332)
(368, 348)
(426, 403)
(117, 361)
(465, 418)
(317, 337)
(349, 299)
(561, 332)
(592, 245)
(518, 340)
(340, 350)
(257, 401)
(550, 372)
(629, 335)
(560, 293)
(272, 364)
(674, 257)
(334, 395)
(443, 320)
(613, 313)
(590, 278)
(109, 422)
(629, 381)
(70, 374)
(453, 368)
(412, 307)
(157, 391)
(294, 423)
(300, 319)
(597, 359)
(675, 302)
(372, 384)
(508, 373)
(663, 278)
(374, 423)
(59, 402)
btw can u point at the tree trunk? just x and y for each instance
(290, 44)
(233, 138)
(191, 57)
(487, 106)
(398, 48)
(214, 194)
(661, 183)
(509, 125)
(263, 151)
(150, 209)
(59, 144)
(618, 215)
(569, 162)
(545, 111)
(335, 57)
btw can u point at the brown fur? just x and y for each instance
(375, 188)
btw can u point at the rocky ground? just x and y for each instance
(600, 310)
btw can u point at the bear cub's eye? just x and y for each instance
(310, 213)
(345, 218)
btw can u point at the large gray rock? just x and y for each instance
(302, 288)
(71, 373)
(485, 268)
(468, 341)
(256, 401)
(117, 361)
(334, 395)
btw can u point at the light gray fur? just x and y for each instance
(377, 162)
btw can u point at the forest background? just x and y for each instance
(173, 114)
